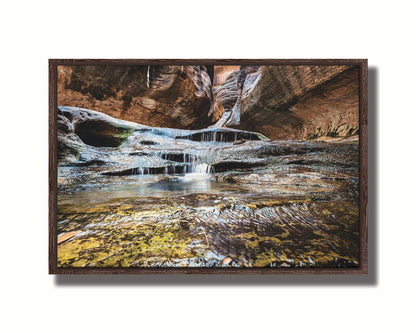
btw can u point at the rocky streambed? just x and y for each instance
(160, 197)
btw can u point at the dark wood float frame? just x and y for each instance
(363, 172)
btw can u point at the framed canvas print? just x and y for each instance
(208, 166)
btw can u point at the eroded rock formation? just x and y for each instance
(225, 97)
(80, 129)
(168, 96)
(295, 102)
(233, 89)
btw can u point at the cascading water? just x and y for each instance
(148, 77)
(217, 135)
(195, 163)
(199, 172)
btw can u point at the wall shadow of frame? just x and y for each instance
(272, 280)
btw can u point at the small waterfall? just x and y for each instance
(148, 77)
(185, 163)
(206, 135)
(200, 172)
(168, 151)
(217, 136)
(193, 163)
(203, 168)
(138, 171)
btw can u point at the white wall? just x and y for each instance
(33, 31)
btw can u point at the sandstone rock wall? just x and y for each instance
(225, 97)
(296, 102)
(221, 74)
(168, 96)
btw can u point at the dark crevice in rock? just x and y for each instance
(86, 163)
(148, 143)
(220, 136)
(236, 165)
(168, 170)
(178, 157)
(138, 153)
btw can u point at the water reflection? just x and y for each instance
(189, 183)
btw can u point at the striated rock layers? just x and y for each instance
(83, 135)
(294, 102)
(80, 129)
(167, 96)
(225, 96)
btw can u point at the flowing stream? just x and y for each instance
(175, 198)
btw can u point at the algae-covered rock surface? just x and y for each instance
(265, 233)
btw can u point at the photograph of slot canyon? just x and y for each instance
(219, 166)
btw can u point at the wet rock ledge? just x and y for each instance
(81, 130)
(97, 144)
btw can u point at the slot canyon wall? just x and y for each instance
(165, 96)
(290, 102)
(281, 102)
